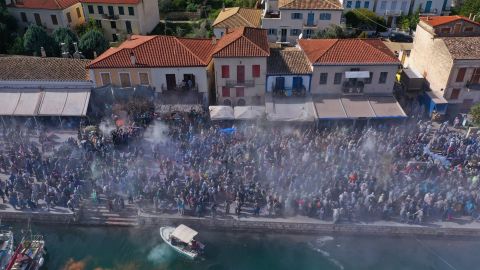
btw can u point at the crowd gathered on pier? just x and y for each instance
(412, 171)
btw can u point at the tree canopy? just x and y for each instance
(475, 112)
(67, 36)
(36, 37)
(92, 41)
(470, 7)
(8, 27)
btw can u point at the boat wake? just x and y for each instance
(160, 254)
(317, 246)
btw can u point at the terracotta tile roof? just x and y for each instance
(157, 51)
(43, 4)
(14, 67)
(347, 51)
(463, 47)
(287, 61)
(435, 21)
(310, 4)
(237, 17)
(127, 2)
(243, 42)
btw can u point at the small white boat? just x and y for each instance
(181, 239)
(6, 248)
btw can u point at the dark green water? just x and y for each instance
(77, 248)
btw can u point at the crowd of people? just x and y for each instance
(409, 171)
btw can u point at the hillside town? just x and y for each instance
(135, 112)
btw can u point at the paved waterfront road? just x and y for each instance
(76, 248)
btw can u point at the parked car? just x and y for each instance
(400, 37)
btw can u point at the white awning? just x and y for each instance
(290, 109)
(184, 233)
(28, 103)
(357, 74)
(221, 113)
(248, 112)
(64, 103)
(8, 101)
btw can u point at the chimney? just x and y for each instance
(133, 59)
(95, 54)
(214, 40)
(42, 52)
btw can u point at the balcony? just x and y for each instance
(473, 86)
(179, 87)
(353, 87)
(282, 91)
(272, 15)
(393, 13)
(245, 83)
(110, 17)
(309, 24)
(432, 11)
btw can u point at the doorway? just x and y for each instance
(171, 81)
(240, 74)
(283, 37)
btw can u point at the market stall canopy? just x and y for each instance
(358, 107)
(436, 98)
(221, 113)
(386, 107)
(290, 109)
(33, 102)
(329, 108)
(248, 112)
(184, 233)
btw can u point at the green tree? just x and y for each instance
(92, 41)
(475, 112)
(67, 36)
(8, 27)
(91, 24)
(365, 19)
(17, 47)
(36, 37)
(470, 7)
(333, 31)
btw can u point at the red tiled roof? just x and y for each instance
(343, 51)
(127, 2)
(309, 4)
(157, 51)
(439, 20)
(43, 4)
(243, 42)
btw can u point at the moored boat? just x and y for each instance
(28, 255)
(181, 239)
(6, 248)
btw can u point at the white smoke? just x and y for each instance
(160, 254)
(106, 127)
(157, 133)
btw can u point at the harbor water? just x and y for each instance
(101, 248)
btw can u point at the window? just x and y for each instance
(468, 29)
(105, 78)
(90, 9)
(325, 16)
(225, 92)
(393, 6)
(100, 9)
(369, 79)
(455, 93)
(383, 5)
(24, 16)
(143, 78)
(125, 80)
(110, 11)
(240, 92)
(121, 11)
(54, 19)
(445, 30)
(460, 74)
(79, 14)
(295, 32)
(113, 24)
(256, 71)
(349, 4)
(272, 31)
(128, 25)
(383, 77)
(130, 11)
(38, 21)
(69, 17)
(323, 78)
(99, 23)
(307, 33)
(475, 76)
(114, 37)
(358, 4)
(338, 78)
(366, 4)
(225, 72)
(404, 6)
(297, 16)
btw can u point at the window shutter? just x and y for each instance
(225, 92)
(225, 72)
(256, 71)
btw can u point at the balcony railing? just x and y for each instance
(307, 24)
(245, 83)
(180, 87)
(353, 88)
(473, 86)
(393, 12)
(110, 17)
(432, 11)
(298, 91)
